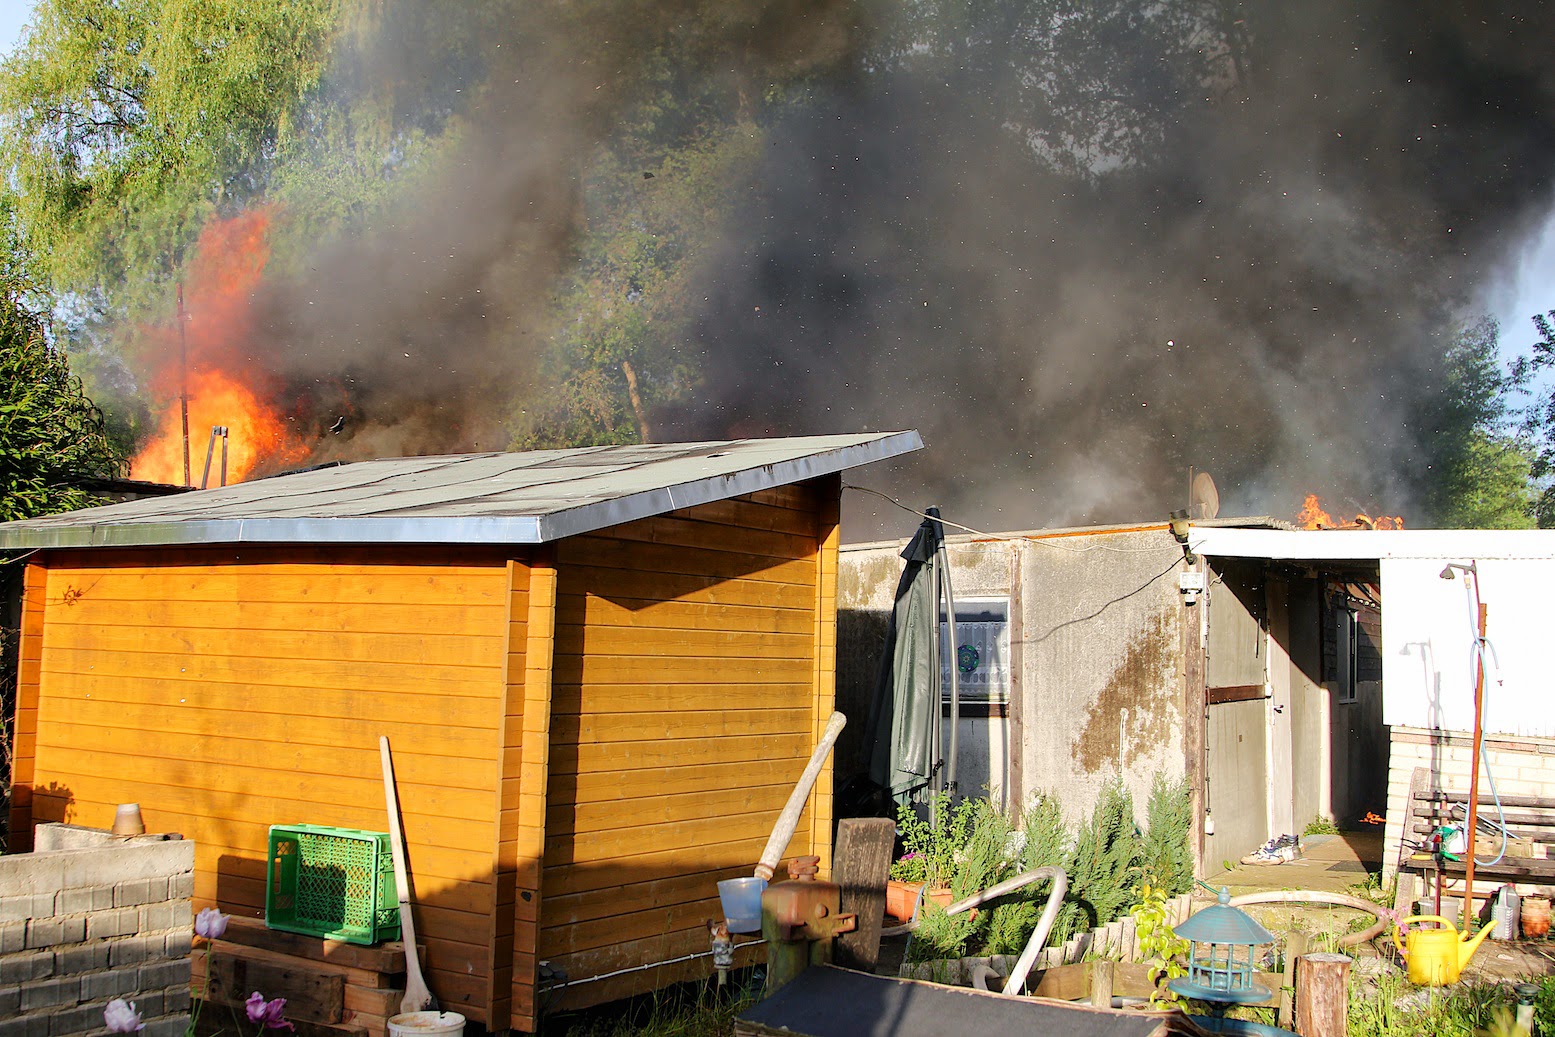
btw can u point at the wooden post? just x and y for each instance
(1295, 947)
(863, 863)
(1322, 995)
(1469, 919)
(1101, 984)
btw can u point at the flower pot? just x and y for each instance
(1535, 917)
(901, 898)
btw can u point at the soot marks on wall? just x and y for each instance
(1137, 701)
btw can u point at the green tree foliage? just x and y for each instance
(1165, 857)
(1477, 465)
(131, 122)
(51, 436)
(1091, 86)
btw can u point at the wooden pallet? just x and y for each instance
(331, 988)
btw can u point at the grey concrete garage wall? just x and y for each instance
(1097, 635)
(88, 917)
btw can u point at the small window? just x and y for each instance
(982, 654)
(1347, 641)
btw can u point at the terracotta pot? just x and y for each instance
(900, 899)
(1536, 917)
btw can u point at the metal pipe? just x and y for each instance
(955, 675)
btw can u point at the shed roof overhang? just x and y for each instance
(491, 498)
(1371, 545)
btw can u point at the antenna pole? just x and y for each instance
(183, 391)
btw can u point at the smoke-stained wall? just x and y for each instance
(1098, 689)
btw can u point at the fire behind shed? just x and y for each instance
(601, 669)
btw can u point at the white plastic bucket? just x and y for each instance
(741, 899)
(427, 1024)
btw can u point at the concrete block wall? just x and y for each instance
(1522, 766)
(88, 917)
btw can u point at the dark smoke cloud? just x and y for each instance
(1267, 300)
(1265, 297)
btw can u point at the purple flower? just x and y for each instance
(120, 1017)
(210, 923)
(266, 1013)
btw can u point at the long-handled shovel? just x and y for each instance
(417, 997)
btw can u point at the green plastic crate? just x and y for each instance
(337, 883)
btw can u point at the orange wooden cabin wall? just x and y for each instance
(227, 690)
(694, 660)
(635, 704)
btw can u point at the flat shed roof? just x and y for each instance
(491, 498)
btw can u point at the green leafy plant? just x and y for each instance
(1164, 851)
(1320, 826)
(1163, 949)
(933, 842)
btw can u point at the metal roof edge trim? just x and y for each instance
(590, 517)
(474, 530)
(1369, 545)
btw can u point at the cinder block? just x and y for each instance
(29, 873)
(81, 957)
(176, 999)
(13, 937)
(173, 914)
(25, 968)
(23, 906)
(150, 1005)
(25, 1026)
(164, 974)
(181, 886)
(105, 986)
(121, 921)
(50, 932)
(133, 950)
(167, 1026)
(79, 1020)
(10, 1002)
(140, 891)
(178, 943)
(83, 900)
(44, 993)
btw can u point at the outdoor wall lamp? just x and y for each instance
(1179, 524)
(1448, 574)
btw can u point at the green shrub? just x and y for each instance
(1164, 853)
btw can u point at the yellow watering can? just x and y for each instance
(1437, 956)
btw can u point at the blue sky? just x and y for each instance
(13, 15)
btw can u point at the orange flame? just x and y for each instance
(224, 386)
(1312, 516)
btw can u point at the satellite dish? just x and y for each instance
(1203, 498)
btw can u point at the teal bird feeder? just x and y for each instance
(1223, 943)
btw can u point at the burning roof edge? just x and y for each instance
(126, 525)
(952, 536)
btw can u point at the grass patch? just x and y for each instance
(686, 1010)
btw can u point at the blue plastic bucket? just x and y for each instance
(741, 900)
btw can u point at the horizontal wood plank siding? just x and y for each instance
(684, 706)
(227, 689)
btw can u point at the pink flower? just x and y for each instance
(210, 923)
(266, 1013)
(120, 1017)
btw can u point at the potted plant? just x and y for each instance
(932, 847)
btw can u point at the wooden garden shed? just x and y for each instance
(601, 670)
